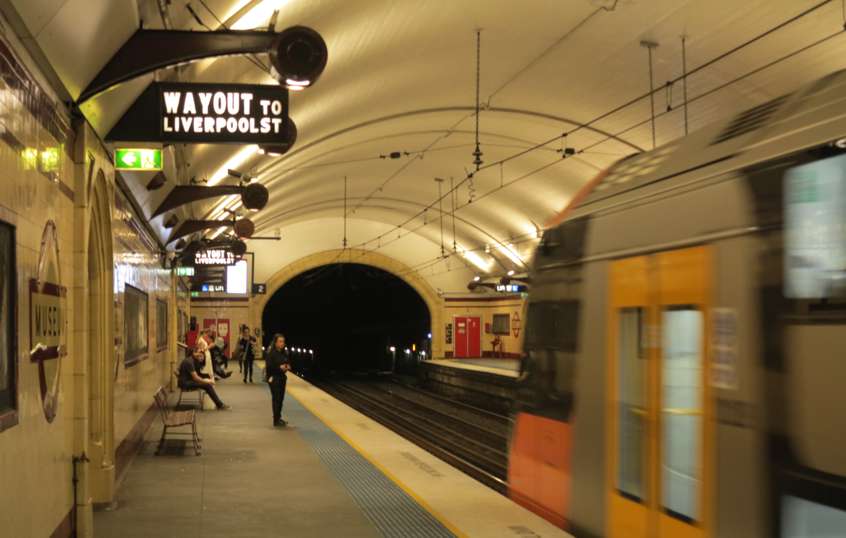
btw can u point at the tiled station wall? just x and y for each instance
(36, 493)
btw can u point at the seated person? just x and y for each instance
(218, 362)
(189, 378)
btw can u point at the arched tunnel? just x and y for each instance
(350, 315)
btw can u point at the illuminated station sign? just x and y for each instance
(512, 288)
(214, 256)
(138, 159)
(206, 113)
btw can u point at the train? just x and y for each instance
(684, 365)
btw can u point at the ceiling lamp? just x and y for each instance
(282, 147)
(298, 57)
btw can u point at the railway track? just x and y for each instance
(473, 440)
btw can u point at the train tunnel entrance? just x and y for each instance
(349, 317)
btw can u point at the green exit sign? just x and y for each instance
(138, 159)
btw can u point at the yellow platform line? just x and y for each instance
(444, 521)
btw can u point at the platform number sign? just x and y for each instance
(448, 333)
(724, 349)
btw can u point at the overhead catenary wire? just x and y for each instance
(641, 123)
(637, 99)
(633, 101)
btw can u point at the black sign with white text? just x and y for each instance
(214, 256)
(206, 113)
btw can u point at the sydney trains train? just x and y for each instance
(684, 370)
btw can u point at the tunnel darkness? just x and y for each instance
(349, 314)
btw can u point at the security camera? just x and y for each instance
(157, 182)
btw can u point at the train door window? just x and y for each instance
(681, 410)
(806, 519)
(632, 404)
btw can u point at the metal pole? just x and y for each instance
(649, 46)
(684, 79)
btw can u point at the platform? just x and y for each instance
(506, 367)
(332, 472)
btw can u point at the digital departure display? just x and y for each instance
(223, 280)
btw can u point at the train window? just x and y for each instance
(815, 229)
(802, 518)
(553, 325)
(681, 410)
(631, 398)
(565, 328)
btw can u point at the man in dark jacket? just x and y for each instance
(189, 378)
(245, 350)
(277, 365)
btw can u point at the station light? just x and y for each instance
(510, 253)
(430, 336)
(511, 272)
(408, 351)
(477, 278)
(311, 352)
(475, 259)
(392, 348)
(423, 353)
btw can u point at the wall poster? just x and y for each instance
(135, 317)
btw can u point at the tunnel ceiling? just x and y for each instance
(401, 78)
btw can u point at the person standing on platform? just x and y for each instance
(246, 354)
(277, 365)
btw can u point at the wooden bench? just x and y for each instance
(176, 419)
(200, 393)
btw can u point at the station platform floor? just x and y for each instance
(506, 367)
(331, 472)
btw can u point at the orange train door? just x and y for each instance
(659, 479)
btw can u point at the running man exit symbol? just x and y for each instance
(138, 159)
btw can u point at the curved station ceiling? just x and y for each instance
(563, 92)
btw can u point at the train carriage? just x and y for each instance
(685, 356)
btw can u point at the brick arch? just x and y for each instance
(433, 301)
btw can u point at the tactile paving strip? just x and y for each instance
(391, 510)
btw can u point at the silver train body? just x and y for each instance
(687, 322)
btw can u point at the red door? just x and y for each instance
(474, 337)
(468, 337)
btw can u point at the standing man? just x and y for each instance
(277, 365)
(245, 353)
